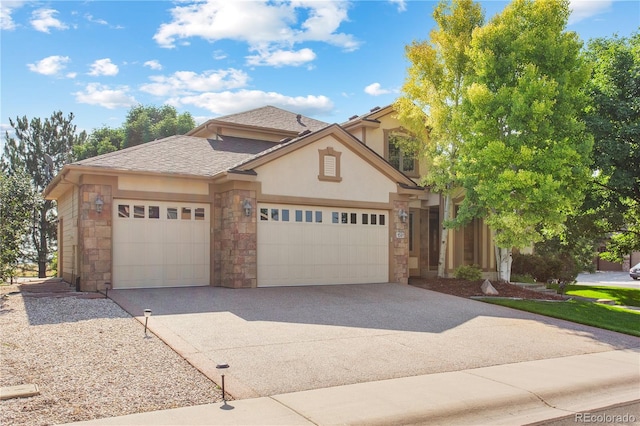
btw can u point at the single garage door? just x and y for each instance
(160, 244)
(303, 245)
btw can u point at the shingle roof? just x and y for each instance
(184, 155)
(366, 115)
(271, 117)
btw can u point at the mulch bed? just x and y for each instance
(467, 289)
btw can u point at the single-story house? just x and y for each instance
(265, 197)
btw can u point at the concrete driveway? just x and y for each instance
(608, 278)
(280, 340)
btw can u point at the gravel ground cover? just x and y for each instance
(90, 360)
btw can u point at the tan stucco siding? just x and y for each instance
(67, 216)
(162, 184)
(296, 175)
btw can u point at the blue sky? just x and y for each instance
(328, 60)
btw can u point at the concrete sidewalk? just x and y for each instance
(513, 394)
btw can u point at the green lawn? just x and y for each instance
(621, 295)
(588, 313)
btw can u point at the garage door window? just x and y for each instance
(274, 214)
(123, 210)
(186, 213)
(154, 212)
(172, 213)
(199, 215)
(285, 215)
(138, 212)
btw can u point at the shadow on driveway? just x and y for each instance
(287, 339)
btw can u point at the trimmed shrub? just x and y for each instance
(468, 272)
(547, 268)
(525, 278)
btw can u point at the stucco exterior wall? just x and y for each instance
(162, 184)
(296, 175)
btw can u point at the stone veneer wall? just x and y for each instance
(400, 255)
(235, 240)
(94, 237)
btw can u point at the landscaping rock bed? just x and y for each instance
(89, 359)
(468, 289)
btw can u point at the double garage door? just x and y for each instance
(160, 244)
(303, 245)
(167, 244)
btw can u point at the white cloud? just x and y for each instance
(99, 21)
(583, 9)
(374, 89)
(50, 65)
(44, 19)
(270, 27)
(230, 102)
(401, 4)
(72, 75)
(153, 64)
(103, 67)
(279, 58)
(98, 94)
(6, 9)
(219, 55)
(188, 82)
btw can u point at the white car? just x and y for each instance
(635, 272)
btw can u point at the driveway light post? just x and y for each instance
(147, 314)
(107, 286)
(223, 369)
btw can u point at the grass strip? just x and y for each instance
(594, 314)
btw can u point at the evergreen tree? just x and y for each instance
(40, 148)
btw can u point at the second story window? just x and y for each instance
(401, 159)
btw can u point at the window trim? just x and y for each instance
(322, 153)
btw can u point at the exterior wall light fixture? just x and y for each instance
(99, 204)
(403, 215)
(246, 205)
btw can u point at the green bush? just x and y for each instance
(522, 278)
(546, 268)
(468, 272)
(53, 265)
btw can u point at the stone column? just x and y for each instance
(400, 242)
(94, 237)
(235, 234)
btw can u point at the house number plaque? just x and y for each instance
(399, 234)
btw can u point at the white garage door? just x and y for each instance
(302, 245)
(160, 244)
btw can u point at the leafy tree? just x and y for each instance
(34, 140)
(432, 99)
(147, 123)
(100, 141)
(526, 155)
(613, 117)
(17, 202)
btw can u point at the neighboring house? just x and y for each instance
(261, 198)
